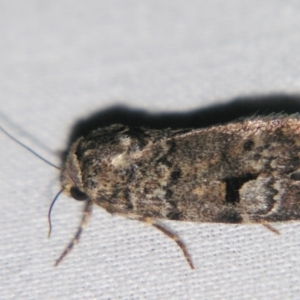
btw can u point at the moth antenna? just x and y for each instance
(28, 149)
(49, 212)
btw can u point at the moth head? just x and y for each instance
(71, 179)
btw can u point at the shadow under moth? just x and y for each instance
(246, 171)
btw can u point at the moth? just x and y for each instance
(247, 171)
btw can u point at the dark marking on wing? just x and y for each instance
(230, 216)
(175, 175)
(233, 184)
(248, 145)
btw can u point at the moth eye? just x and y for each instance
(77, 194)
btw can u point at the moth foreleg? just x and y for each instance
(86, 216)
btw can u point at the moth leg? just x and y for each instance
(86, 216)
(173, 236)
(271, 228)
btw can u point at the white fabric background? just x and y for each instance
(63, 60)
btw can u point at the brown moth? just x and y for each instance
(243, 172)
(246, 171)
